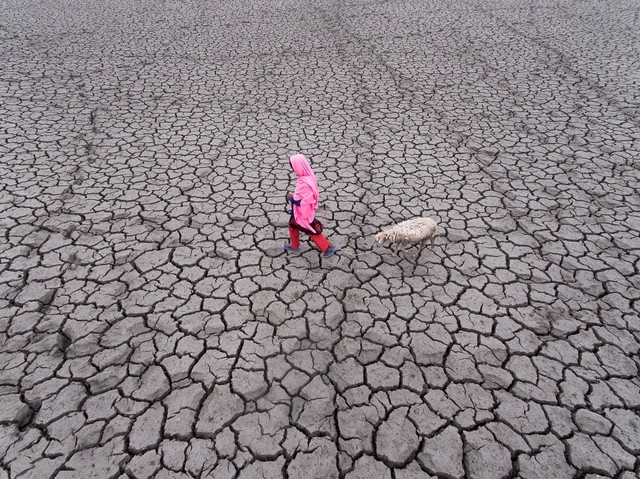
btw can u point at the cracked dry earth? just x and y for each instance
(152, 327)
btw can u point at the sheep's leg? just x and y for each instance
(433, 242)
(396, 247)
(419, 247)
(406, 249)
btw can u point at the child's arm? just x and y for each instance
(292, 199)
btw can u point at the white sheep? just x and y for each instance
(416, 231)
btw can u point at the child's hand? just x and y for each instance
(289, 195)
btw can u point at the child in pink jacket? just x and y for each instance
(304, 203)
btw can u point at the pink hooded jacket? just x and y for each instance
(306, 192)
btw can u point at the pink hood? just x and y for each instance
(306, 192)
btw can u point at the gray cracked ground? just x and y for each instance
(152, 327)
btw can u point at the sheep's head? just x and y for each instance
(384, 236)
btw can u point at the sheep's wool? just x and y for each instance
(411, 231)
